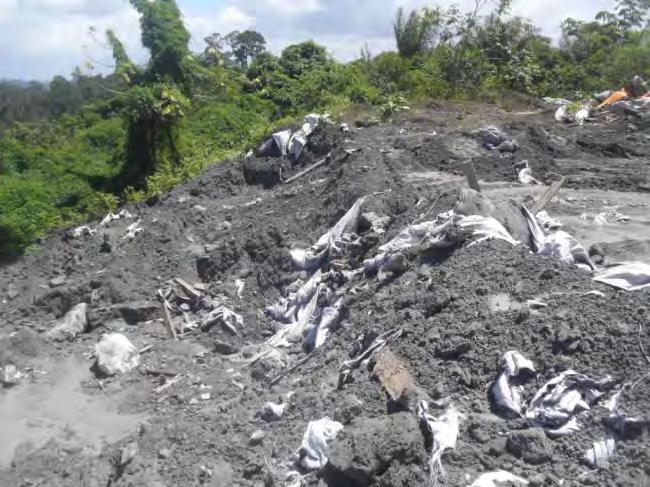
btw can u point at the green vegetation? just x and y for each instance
(74, 149)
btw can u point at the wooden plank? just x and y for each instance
(166, 316)
(187, 287)
(548, 195)
(322, 162)
(470, 175)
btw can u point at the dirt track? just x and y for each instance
(459, 315)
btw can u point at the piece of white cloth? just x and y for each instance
(600, 453)
(444, 433)
(313, 451)
(496, 479)
(71, 325)
(564, 402)
(115, 354)
(507, 395)
(629, 276)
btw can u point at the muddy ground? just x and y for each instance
(64, 426)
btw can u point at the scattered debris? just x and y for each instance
(600, 453)
(71, 325)
(629, 276)
(115, 354)
(83, 231)
(313, 451)
(111, 217)
(10, 375)
(495, 139)
(225, 317)
(525, 175)
(496, 479)
(271, 411)
(506, 393)
(133, 231)
(379, 342)
(564, 402)
(444, 434)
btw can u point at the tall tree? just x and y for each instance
(246, 45)
(157, 100)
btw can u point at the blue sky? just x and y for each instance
(43, 38)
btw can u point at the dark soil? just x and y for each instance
(229, 224)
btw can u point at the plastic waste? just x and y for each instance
(600, 453)
(83, 231)
(271, 411)
(629, 276)
(111, 217)
(498, 478)
(506, 394)
(313, 451)
(444, 434)
(330, 243)
(133, 231)
(72, 324)
(561, 405)
(225, 317)
(115, 354)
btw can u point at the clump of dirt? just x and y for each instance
(230, 234)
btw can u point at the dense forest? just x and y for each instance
(76, 148)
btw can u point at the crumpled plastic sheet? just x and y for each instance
(629, 276)
(290, 309)
(496, 139)
(486, 228)
(557, 244)
(525, 176)
(498, 478)
(115, 354)
(610, 216)
(430, 232)
(82, 231)
(600, 453)
(564, 114)
(71, 325)
(547, 222)
(313, 451)
(564, 402)
(424, 233)
(563, 246)
(133, 231)
(507, 395)
(225, 317)
(314, 309)
(622, 422)
(321, 325)
(281, 139)
(111, 217)
(330, 243)
(378, 223)
(271, 411)
(293, 144)
(444, 434)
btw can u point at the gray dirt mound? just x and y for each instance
(232, 235)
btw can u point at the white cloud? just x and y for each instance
(41, 38)
(293, 7)
(36, 44)
(233, 18)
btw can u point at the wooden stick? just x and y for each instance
(190, 289)
(166, 317)
(470, 175)
(169, 383)
(548, 195)
(316, 165)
